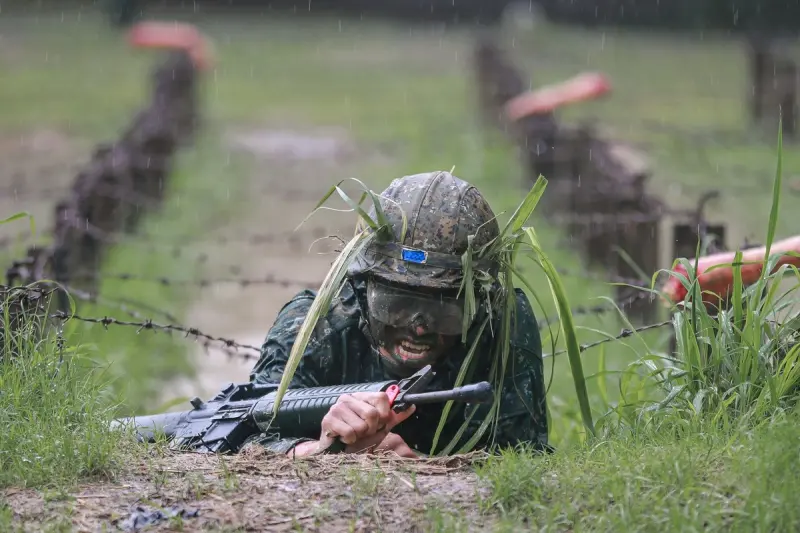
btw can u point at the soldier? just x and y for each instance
(396, 315)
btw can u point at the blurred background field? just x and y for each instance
(299, 101)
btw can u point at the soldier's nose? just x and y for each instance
(419, 325)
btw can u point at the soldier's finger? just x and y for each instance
(359, 425)
(367, 412)
(403, 450)
(367, 443)
(338, 427)
(378, 400)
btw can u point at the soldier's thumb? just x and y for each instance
(397, 418)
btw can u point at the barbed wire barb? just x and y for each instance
(148, 324)
(626, 332)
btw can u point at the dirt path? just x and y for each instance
(294, 169)
(256, 492)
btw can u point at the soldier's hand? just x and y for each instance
(394, 443)
(361, 420)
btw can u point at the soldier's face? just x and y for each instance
(413, 348)
(413, 328)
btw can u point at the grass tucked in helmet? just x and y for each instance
(435, 232)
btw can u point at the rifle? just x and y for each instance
(242, 412)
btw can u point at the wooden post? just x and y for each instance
(758, 51)
(685, 238)
(640, 239)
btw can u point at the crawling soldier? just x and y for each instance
(395, 316)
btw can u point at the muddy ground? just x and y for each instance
(255, 491)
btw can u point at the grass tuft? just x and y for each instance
(54, 411)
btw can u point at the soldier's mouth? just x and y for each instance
(413, 350)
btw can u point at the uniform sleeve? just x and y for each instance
(275, 354)
(523, 411)
(523, 406)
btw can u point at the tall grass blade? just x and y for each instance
(520, 216)
(776, 194)
(462, 373)
(568, 328)
(736, 296)
(17, 216)
(327, 291)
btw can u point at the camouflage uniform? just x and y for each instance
(340, 350)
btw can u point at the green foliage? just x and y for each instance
(54, 413)
(736, 364)
(709, 433)
(682, 477)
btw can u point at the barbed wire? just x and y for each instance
(199, 282)
(232, 344)
(603, 279)
(599, 309)
(152, 326)
(271, 279)
(622, 335)
(119, 303)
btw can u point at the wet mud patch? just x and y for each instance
(291, 144)
(304, 144)
(259, 491)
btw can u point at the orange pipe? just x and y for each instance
(578, 89)
(173, 35)
(719, 282)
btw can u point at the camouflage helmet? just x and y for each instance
(442, 212)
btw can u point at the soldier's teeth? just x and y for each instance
(413, 347)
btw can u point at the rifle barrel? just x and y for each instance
(474, 393)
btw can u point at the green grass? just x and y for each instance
(713, 451)
(408, 90)
(54, 412)
(687, 478)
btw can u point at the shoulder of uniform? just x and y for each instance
(344, 311)
(526, 333)
(304, 297)
(524, 306)
(298, 305)
(346, 305)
